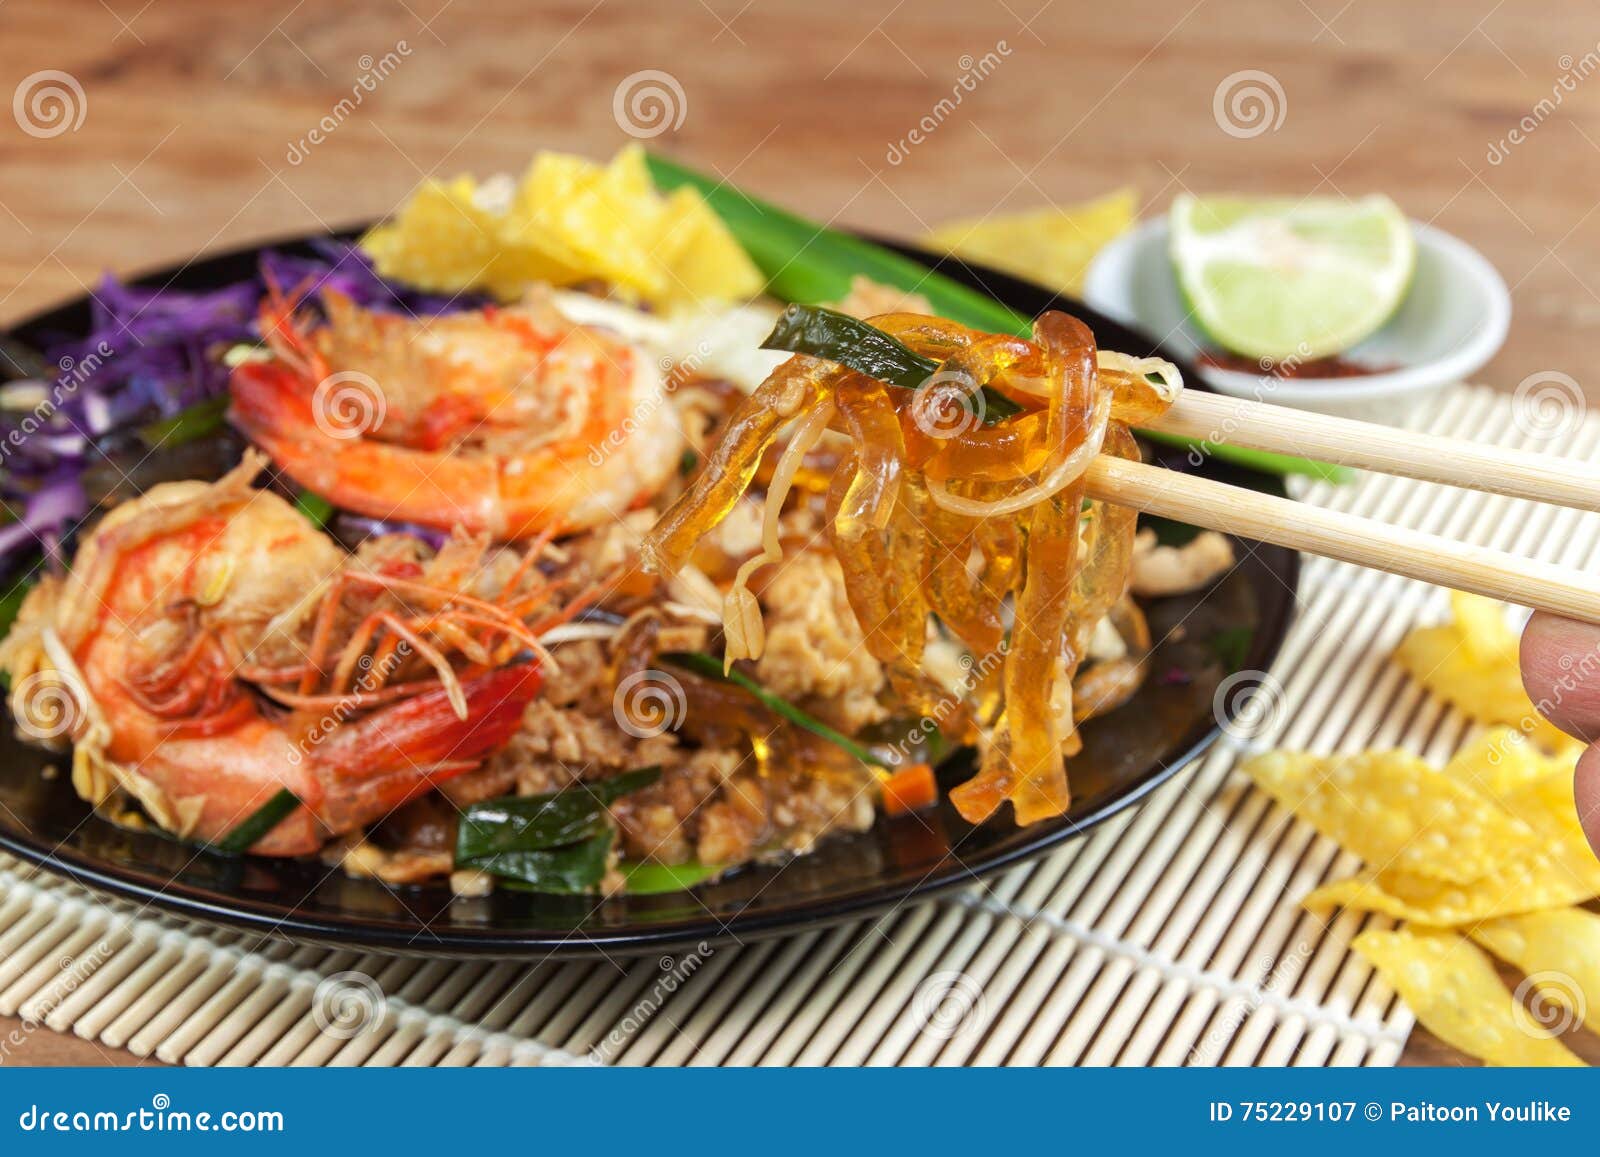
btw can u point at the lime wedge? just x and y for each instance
(1279, 278)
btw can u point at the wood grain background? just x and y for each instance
(195, 119)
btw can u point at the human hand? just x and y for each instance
(1561, 672)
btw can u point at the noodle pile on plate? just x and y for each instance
(932, 512)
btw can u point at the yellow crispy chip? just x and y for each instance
(1549, 805)
(1559, 953)
(568, 220)
(1396, 812)
(607, 217)
(703, 261)
(1052, 246)
(439, 240)
(1471, 662)
(1521, 887)
(1561, 872)
(444, 240)
(1452, 988)
(1502, 761)
(1486, 636)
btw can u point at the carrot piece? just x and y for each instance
(909, 789)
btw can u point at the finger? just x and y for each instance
(1561, 672)
(1586, 787)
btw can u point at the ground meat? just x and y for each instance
(723, 807)
(816, 652)
(1174, 570)
(724, 803)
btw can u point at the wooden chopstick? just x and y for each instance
(1346, 537)
(1216, 419)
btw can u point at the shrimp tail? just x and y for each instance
(372, 766)
(425, 729)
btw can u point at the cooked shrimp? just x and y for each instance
(190, 646)
(506, 421)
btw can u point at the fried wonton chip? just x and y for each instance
(443, 239)
(702, 258)
(1550, 806)
(1502, 761)
(1560, 871)
(1052, 246)
(1525, 886)
(1563, 872)
(568, 220)
(1559, 952)
(1396, 812)
(1471, 662)
(1454, 991)
(608, 216)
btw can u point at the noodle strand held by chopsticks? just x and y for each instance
(869, 495)
(929, 518)
(745, 634)
(1024, 761)
(793, 389)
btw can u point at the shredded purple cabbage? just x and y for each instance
(151, 354)
(356, 528)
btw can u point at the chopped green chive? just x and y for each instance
(709, 667)
(268, 816)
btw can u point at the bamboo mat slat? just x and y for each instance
(1168, 936)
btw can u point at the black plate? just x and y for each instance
(1238, 625)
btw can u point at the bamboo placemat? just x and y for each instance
(1170, 935)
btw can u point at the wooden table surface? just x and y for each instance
(196, 123)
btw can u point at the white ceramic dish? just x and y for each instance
(1453, 320)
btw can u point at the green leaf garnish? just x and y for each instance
(567, 871)
(558, 842)
(540, 822)
(197, 421)
(11, 603)
(838, 337)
